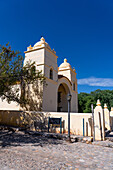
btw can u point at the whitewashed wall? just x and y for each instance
(76, 122)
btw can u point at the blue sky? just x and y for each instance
(81, 31)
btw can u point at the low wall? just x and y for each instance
(10, 118)
(14, 118)
(76, 122)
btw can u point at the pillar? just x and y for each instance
(99, 122)
(111, 118)
(107, 117)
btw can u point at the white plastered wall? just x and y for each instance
(50, 62)
(66, 73)
(51, 59)
(36, 56)
(4, 105)
(76, 122)
(50, 96)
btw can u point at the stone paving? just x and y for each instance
(20, 151)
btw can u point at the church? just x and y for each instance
(60, 80)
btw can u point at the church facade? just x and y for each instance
(60, 80)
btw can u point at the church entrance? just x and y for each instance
(62, 103)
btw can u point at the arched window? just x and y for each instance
(74, 86)
(51, 74)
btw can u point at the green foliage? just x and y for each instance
(86, 99)
(14, 77)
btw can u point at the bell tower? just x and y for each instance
(66, 70)
(44, 57)
(46, 61)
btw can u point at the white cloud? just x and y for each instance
(92, 81)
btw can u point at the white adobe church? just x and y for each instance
(60, 80)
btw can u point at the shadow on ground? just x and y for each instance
(110, 135)
(20, 138)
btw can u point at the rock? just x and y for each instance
(88, 139)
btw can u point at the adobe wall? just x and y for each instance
(76, 122)
(14, 118)
(10, 118)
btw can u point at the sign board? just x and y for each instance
(55, 121)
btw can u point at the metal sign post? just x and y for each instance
(69, 102)
(83, 128)
(69, 119)
(93, 122)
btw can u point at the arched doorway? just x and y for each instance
(62, 103)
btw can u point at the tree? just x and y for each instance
(14, 77)
(86, 99)
(82, 101)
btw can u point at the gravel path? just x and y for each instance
(19, 151)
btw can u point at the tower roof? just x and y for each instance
(65, 65)
(40, 44)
